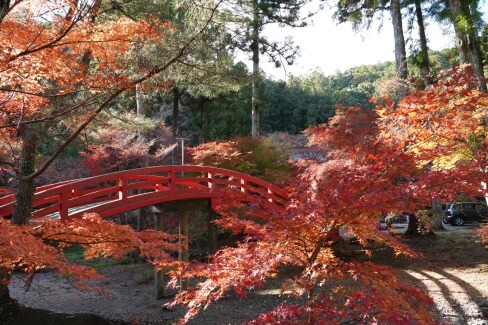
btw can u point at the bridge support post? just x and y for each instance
(184, 251)
(212, 232)
(184, 207)
(159, 284)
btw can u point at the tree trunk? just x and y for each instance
(201, 107)
(255, 71)
(4, 8)
(141, 108)
(424, 51)
(26, 187)
(461, 37)
(400, 52)
(183, 255)
(176, 101)
(159, 274)
(437, 215)
(467, 40)
(477, 60)
(414, 227)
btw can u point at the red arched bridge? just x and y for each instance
(119, 192)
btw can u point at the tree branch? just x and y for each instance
(114, 95)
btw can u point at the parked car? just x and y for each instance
(457, 213)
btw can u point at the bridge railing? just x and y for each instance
(119, 192)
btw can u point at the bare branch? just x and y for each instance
(85, 103)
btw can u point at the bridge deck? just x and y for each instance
(119, 192)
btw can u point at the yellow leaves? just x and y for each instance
(438, 125)
(450, 161)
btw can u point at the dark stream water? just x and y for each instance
(12, 313)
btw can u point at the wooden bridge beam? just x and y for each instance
(184, 257)
(183, 207)
(212, 232)
(159, 285)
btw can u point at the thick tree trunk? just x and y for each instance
(424, 51)
(477, 61)
(461, 37)
(400, 52)
(437, 215)
(467, 40)
(255, 71)
(27, 185)
(4, 8)
(414, 227)
(176, 101)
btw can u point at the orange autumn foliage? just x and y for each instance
(39, 246)
(64, 61)
(482, 232)
(40, 61)
(387, 160)
(257, 157)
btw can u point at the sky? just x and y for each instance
(329, 47)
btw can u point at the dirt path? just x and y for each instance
(131, 300)
(454, 273)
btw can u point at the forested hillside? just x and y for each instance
(299, 102)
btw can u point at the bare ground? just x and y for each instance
(454, 272)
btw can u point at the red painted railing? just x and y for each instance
(119, 192)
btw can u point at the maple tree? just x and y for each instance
(258, 157)
(62, 63)
(121, 146)
(40, 246)
(384, 160)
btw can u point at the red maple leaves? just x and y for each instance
(392, 159)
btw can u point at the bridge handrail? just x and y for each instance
(119, 185)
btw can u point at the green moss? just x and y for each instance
(74, 254)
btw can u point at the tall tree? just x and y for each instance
(361, 14)
(423, 44)
(465, 17)
(228, 116)
(400, 52)
(247, 20)
(423, 56)
(205, 69)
